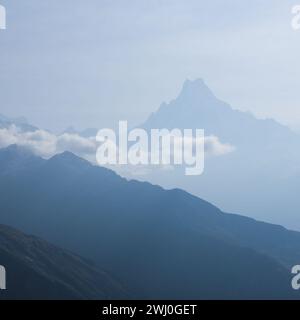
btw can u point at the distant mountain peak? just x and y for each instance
(15, 157)
(17, 120)
(70, 130)
(15, 150)
(21, 123)
(196, 89)
(67, 163)
(70, 161)
(69, 157)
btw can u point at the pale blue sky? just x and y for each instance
(90, 63)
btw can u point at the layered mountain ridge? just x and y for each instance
(160, 244)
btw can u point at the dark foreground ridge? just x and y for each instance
(36, 269)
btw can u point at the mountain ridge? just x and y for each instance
(145, 235)
(255, 178)
(38, 270)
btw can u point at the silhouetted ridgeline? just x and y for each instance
(158, 243)
(38, 270)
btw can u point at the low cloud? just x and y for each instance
(214, 147)
(47, 144)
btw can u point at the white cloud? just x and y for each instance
(214, 147)
(76, 144)
(46, 144)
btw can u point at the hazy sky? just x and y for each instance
(90, 63)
